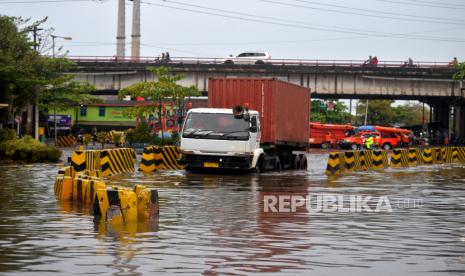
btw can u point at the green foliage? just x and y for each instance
(460, 71)
(117, 139)
(27, 77)
(165, 89)
(381, 112)
(7, 134)
(339, 115)
(139, 135)
(29, 150)
(410, 114)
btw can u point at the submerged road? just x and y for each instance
(216, 224)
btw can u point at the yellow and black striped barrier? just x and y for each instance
(147, 163)
(160, 158)
(63, 187)
(399, 158)
(379, 159)
(349, 161)
(108, 161)
(461, 154)
(114, 161)
(437, 156)
(335, 166)
(426, 156)
(85, 160)
(412, 157)
(118, 205)
(114, 204)
(67, 171)
(339, 162)
(66, 141)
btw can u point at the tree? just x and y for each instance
(410, 114)
(338, 115)
(380, 112)
(460, 71)
(63, 93)
(27, 77)
(164, 89)
(17, 73)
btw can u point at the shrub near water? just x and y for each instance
(28, 149)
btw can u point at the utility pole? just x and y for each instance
(54, 109)
(366, 113)
(36, 105)
(350, 110)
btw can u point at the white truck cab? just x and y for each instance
(221, 138)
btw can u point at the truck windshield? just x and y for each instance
(215, 126)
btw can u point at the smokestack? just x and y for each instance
(121, 31)
(135, 50)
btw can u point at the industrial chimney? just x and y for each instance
(121, 30)
(135, 50)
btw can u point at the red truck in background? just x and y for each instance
(384, 137)
(328, 135)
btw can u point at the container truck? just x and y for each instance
(252, 124)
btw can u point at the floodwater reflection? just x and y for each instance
(217, 224)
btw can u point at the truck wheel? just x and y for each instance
(354, 146)
(296, 164)
(259, 167)
(387, 146)
(303, 163)
(277, 164)
(324, 146)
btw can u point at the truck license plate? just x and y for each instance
(211, 165)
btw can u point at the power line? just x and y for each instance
(411, 19)
(42, 1)
(85, 44)
(424, 4)
(437, 3)
(248, 17)
(409, 16)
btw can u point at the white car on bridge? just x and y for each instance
(248, 58)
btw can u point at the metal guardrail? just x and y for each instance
(277, 62)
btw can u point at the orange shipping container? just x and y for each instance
(284, 107)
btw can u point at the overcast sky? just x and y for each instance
(426, 30)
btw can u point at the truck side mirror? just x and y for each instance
(253, 124)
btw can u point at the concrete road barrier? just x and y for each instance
(160, 158)
(66, 141)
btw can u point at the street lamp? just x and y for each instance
(53, 42)
(53, 56)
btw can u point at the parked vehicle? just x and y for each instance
(384, 137)
(251, 124)
(248, 58)
(328, 135)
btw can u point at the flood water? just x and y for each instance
(216, 225)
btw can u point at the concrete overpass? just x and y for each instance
(430, 82)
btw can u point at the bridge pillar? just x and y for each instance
(441, 114)
(459, 122)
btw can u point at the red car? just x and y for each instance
(385, 140)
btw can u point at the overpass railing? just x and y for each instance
(281, 62)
